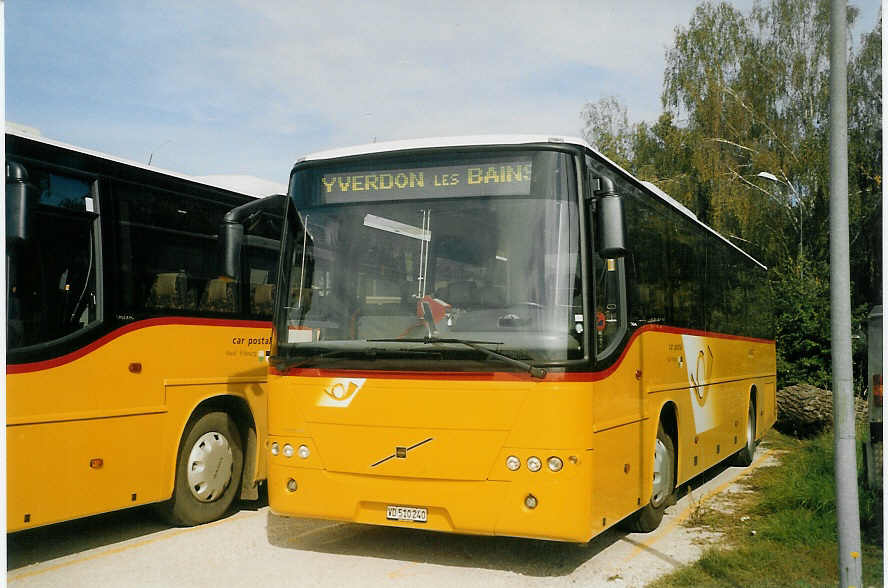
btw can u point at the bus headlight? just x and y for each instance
(534, 464)
(555, 464)
(288, 450)
(304, 452)
(275, 448)
(513, 463)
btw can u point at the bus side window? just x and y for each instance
(609, 307)
(262, 246)
(52, 289)
(166, 242)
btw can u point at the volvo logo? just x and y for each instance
(401, 452)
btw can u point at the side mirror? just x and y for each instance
(611, 224)
(231, 244)
(21, 198)
(231, 232)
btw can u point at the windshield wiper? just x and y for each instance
(536, 372)
(371, 354)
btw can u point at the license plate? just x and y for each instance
(407, 513)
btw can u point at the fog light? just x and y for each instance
(275, 448)
(291, 485)
(530, 501)
(555, 464)
(513, 463)
(534, 464)
(288, 450)
(304, 452)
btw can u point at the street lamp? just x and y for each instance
(771, 177)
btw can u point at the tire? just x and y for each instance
(663, 489)
(745, 456)
(208, 471)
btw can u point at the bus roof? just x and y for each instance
(245, 185)
(436, 142)
(491, 140)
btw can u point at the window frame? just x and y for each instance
(576, 182)
(612, 349)
(94, 220)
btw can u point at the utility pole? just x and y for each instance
(850, 569)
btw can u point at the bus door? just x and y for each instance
(619, 399)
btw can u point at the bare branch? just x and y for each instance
(746, 107)
(737, 145)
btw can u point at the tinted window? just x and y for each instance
(686, 257)
(61, 190)
(262, 261)
(168, 257)
(647, 261)
(52, 277)
(682, 275)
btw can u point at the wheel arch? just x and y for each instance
(669, 418)
(648, 517)
(239, 410)
(754, 404)
(751, 426)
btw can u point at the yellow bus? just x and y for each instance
(505, 336)
(135, 374)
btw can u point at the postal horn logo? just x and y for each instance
(699, 365)
(341, 391)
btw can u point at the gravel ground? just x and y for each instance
(255, 547)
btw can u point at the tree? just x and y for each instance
(606, 127)
(865, 159)
(744, 142)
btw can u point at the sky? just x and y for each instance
(247, 87)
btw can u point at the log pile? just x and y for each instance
(804, 410)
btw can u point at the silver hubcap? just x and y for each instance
(210, 464)
(662, 474)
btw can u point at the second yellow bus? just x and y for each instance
(505, 336)
(135, 373)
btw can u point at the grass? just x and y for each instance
(787, 533)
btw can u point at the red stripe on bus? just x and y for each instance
(143, 324)
(510, 376)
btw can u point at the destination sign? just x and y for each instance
(459, 181)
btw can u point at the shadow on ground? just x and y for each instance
(528, 557)
(523, 556)
(50, 542)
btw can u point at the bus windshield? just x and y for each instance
(476, 246)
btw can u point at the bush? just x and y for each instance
(802, 321)
(801, 314)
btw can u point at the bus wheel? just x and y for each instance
(648, 518)
(744, 457)
(208, 471)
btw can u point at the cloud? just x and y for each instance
(343, 74)
(246, 87)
